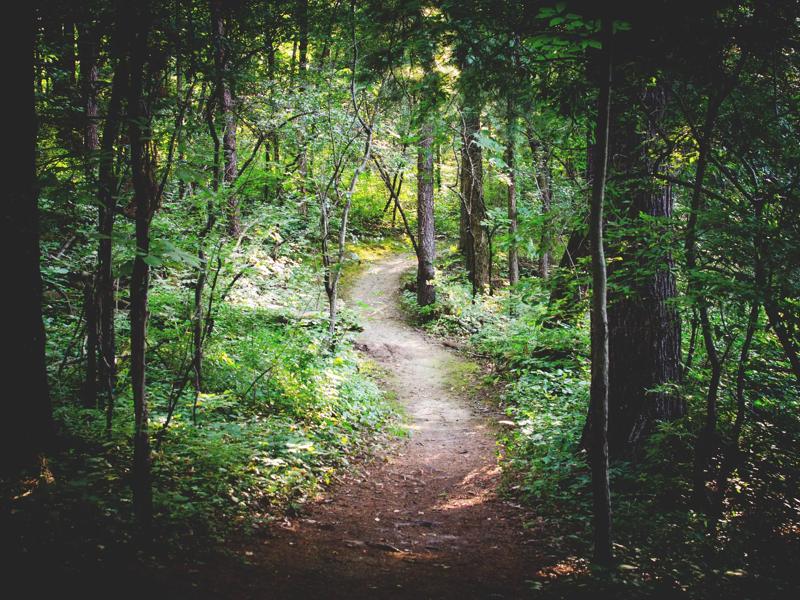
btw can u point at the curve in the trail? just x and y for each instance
(422, 521)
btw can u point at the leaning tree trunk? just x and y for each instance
(28, 417)
(644, 326)
(426, 245)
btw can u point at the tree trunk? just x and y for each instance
(541, 165)
(426, 243)
(464, 239)
(513, 253)
(225, 106)
(644, 326)
(89, 388)
(598, 403)
(28, 417)
(87, 54)
(145, 193)
(302, 160)
(472, 182)
(107, 200)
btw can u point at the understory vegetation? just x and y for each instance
(277, 417)
(542, 365)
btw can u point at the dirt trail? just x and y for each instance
(424, 520)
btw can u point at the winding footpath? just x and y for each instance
(421, 521)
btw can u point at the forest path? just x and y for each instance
(423, 520)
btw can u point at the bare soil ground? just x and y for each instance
(421, 521)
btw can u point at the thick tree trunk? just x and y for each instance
(28, 416)
(225, 106)
(145, 193)
(644, 326)
(598, 404)
(426, 243)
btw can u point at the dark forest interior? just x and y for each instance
(403, 299)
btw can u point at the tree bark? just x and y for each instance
(599, 394)
(472, 183)
(302, 160)
(644, 326)
(28, 416)
(426, 243)
(225, 106)
(87, 54)
(107, 200)
(513, 253)
(541, 166)
(145, 193)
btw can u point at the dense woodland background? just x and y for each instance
(201, 176)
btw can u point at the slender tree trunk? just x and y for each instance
(472, 182)
(302, 161)
(28, 416)
(89, 388)
(87, 54)
(464, 239)
(601, 494)
(513, 253)
(706, 439)
(426, 242)
(272, 147)
(302, 28)
(546, 191)
(107, 200)
(225, 106)
(145, 193)
(542, 176)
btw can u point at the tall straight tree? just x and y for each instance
(476, 243)
(426, 293)
(644, 326)
(28, 415)
(599, 394)
(145, 197)
(107, 208)
(474, 238)
(222, 66)
(426, 242)
(513, 252)
(88, 42)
